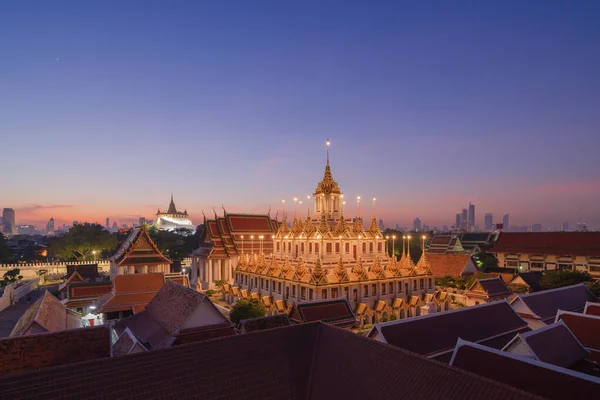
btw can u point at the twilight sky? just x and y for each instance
(108, 107)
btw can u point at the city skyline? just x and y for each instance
(231, 105)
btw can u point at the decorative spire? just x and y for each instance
(423, 263)
(286, 265)
(172, 209)
(328, 185)
(374, 228)
(318, 270)
(340, 270)
(359, 269)
(376, 267)
(300, 267)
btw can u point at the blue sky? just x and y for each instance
(107, 107)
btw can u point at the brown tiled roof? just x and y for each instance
(259, 324)
(592, 309)
(83, 290)
(490, 288)
(554, 344)
(47, 314)
(545, 304)
(25, 353)
(206, 332)
(560, 243)
(86, 271)
(533, 376)
(167, 316)
(436, 333)
(307, 361)
(447, 264)
(336, 312)
(586, 328)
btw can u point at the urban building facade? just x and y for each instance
(9, 226)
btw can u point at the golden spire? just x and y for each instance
(340, 270)
(318, 270)
(358, 269)
(328, 184)
(376, 267)
(300, 268)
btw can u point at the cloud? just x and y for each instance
(572, 188)
(38, 207)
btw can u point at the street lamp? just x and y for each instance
(242, 244)
(252, 243)
(94, 253)
(261, 237)
(394, 246)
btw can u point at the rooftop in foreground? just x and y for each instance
(307, 361)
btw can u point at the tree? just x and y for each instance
(6, 255)
(176, 244)
(593, 287)
(245, 309)
(81, 241)
(11, 276)
(563, 277)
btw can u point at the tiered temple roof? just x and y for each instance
(234, 234)
(139, 249)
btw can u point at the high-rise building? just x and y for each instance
(505, 224)
(471, 215)
(75, 223)
(8, 221)
(445, 228)
(142, 221)
(381, 225)
(26, 230)
(565, 226)
(457, 225)
(536, 228)
(50, 227)
(107, 226)
(417, 224)
(489, 222)
(464, 219)
(397, 227)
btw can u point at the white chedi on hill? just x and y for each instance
(172, 219)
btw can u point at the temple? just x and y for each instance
(172, 219)
(325, 255)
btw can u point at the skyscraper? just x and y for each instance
(464, 219)
(107, 226)
(417, 224)
(381, 226)
(505, 224)
(8, 221)
(471, 214)
(50, 227)
(457, 225)
(489, 222)
(565, 226)
(536, 228)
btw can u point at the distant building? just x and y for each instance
(489, 222)
(536, 228)
(381, 226)
(458, 219)
(114, 227)
(445, 228)
(417, 224)
(107, 226)
(471, 215)
(505, 222)
(50, 227)
(172, 219)
(464, 219)
(397, 227)
(26, 230)
(529, 251)
(565, 226)
(9, 226)
(142, 221)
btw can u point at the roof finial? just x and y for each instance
(374, 206)
(215, 213)
(327, 144)
(224, 211)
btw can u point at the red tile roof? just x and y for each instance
(306, 361)
(495, 322)
(560, 243)
(592, 309)
(26, 353)
(86, 271)
(335, 312)
(536, 377)
(586, 328)
(545, 304)
(139, 248)
(448, 264)
(47, 314)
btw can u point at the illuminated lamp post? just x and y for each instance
(252, 243)
(94, 253)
